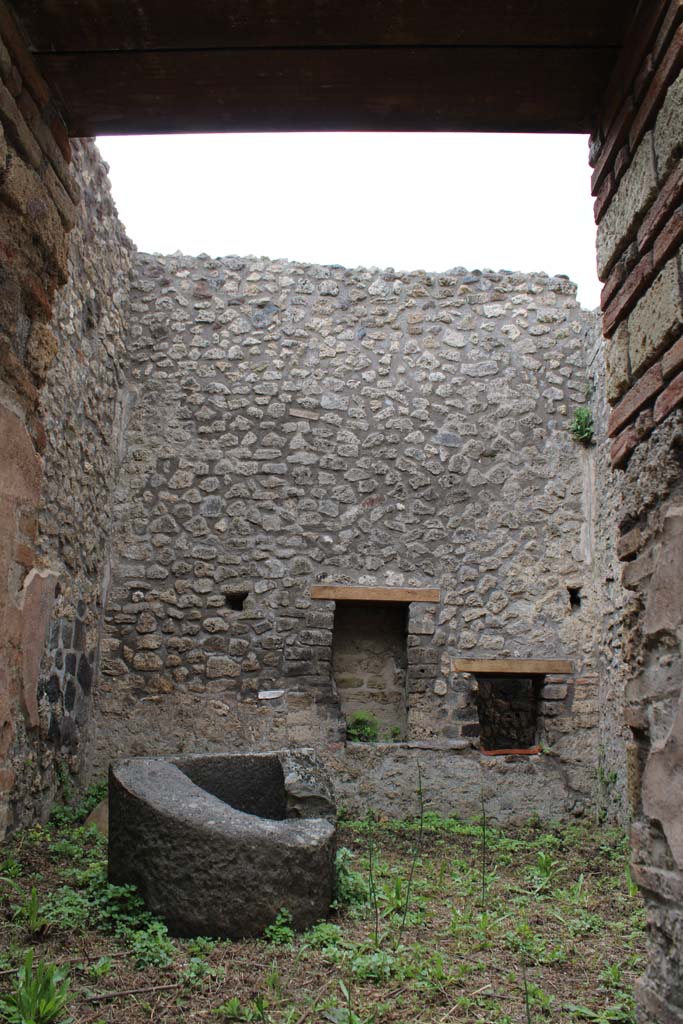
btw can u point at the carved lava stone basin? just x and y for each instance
(218, 843)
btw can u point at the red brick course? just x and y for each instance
(669, 240)
(669, 399)
(633, 401)
(668, 199)
(638, 43)
(663, 77)
(635, 285)
(672, 19)
(673, 360)
(622, 447)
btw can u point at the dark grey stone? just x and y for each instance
(219, 843)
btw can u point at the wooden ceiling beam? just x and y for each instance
(110, 25)
(530, 89)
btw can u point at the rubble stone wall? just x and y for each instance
(637, 152)
(289, 425)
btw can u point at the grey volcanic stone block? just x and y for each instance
(219, 843)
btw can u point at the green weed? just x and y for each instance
(280, 932)
(362, 727)
(39, 993)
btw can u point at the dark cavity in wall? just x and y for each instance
(508, 712)
(369, 659)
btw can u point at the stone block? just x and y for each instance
(664, 607)
(3, 149)
(218, 844)
(16, 128)
(23, 189)
(617, 376)
(21, 469)
(668, 130)
(629, 544)
(554, 691)
(40, 351)
(147, 661)
(661, 796)
(636, 191)
(656, 318)
(222, 667)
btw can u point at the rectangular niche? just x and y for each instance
(369, 663)
(507, 706)
(507, 698)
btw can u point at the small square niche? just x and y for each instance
(234, 600)
(508, 712)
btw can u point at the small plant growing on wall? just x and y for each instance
(362, 727)
(582, 426)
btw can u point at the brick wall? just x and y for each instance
(59, 382)
(38, 197)
(636, 152)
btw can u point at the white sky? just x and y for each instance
(403, 200)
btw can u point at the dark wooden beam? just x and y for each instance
(101, 25)
(349, 89)
(513, 666)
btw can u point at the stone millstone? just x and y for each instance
(218, 844)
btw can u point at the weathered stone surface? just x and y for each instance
(99, 818)
(384, 778)
(21, 469)
(664, 607)
(36, 608)
(41, 350)
(663, 782)
(620, 222)
(617, 373)
(657, 316)
(668, 130)
(23, 189)
(219, 844)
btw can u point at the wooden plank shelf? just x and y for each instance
(404, 595)
(513, 666)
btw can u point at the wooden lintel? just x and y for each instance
(513, 666)
(405, 595)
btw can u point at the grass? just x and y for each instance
(439, 921)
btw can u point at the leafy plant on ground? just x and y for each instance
(234, 1009)
(198, 970)
(152, 946)
(75, 813)
(280, 932)
(451, 961)
(350, 887)
(39, 994)
(345, 1014)
(543, 872)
